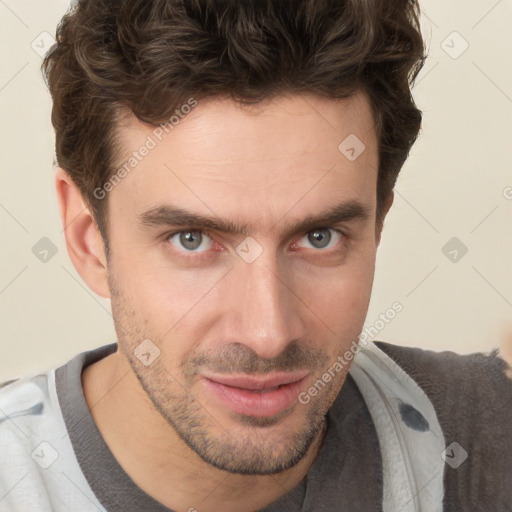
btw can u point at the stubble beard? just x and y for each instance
(258, 446)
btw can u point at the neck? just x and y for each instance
(152, 454)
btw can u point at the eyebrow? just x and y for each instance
(167, 215)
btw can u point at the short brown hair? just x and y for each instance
(151, 56)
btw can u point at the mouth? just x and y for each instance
(263, 396)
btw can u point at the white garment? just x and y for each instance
(38, 468)
(412, 460)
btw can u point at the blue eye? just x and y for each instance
(322, 238)
(191, 241)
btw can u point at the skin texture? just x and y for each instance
(297, 306)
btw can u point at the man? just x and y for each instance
(225, 169)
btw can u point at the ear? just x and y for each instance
(385, 210)
(83, 239)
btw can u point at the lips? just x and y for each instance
(256, 396)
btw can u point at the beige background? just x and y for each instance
(454, 185)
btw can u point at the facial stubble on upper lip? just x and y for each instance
(238, 367)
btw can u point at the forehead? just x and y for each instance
(296, 152)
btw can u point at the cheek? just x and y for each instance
(347, 286)
(163, 299)
(340, 297)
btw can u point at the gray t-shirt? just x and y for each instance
(53, 457)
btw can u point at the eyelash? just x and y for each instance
(205, 254)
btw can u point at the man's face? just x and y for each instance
(245, 319)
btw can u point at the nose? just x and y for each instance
(264, 311)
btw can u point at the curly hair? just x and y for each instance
(150, 56)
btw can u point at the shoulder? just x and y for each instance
(472, 397)
(38, 470)
(472, 393)
(26, 404)
(38, 467)
(474, 377)
(21, 399)
(27, 422)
